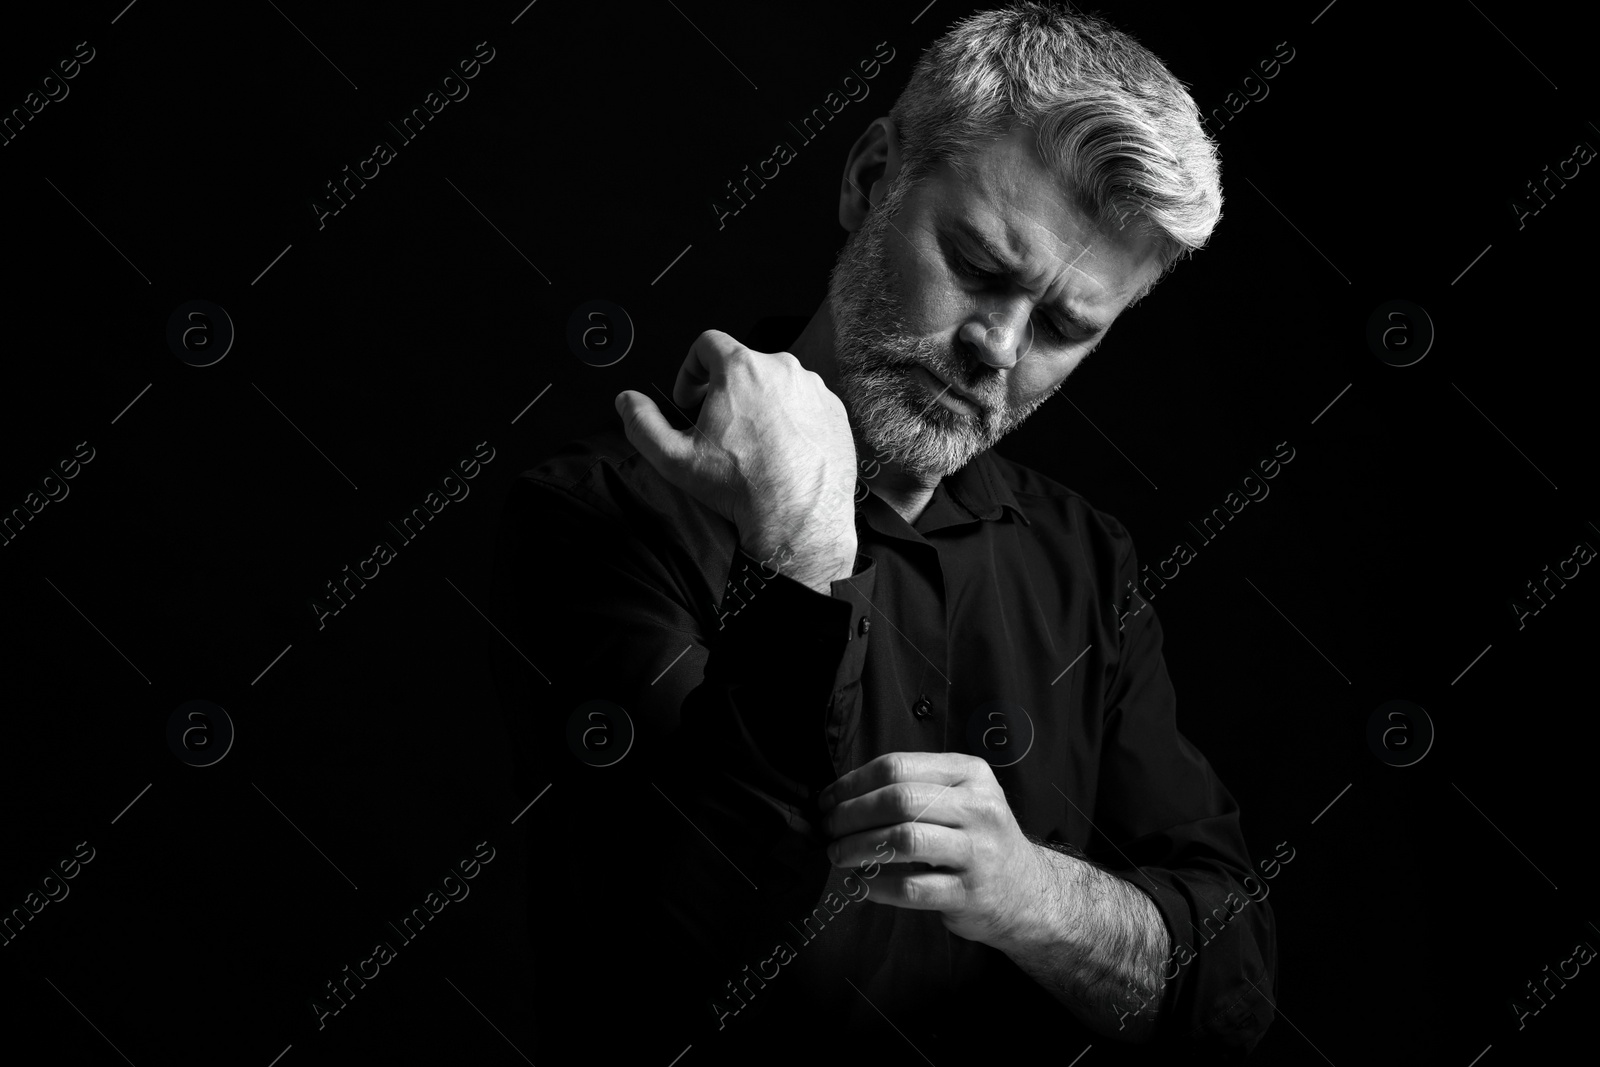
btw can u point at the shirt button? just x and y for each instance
(866, 624)
(923, 708)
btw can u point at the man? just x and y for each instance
(907, 768)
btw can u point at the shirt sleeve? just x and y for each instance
(725, 676)
(782, 653)
(1168, 825)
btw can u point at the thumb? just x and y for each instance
(669, 451)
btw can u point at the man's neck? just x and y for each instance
(910, 503)
(814, 349)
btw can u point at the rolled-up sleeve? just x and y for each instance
(1168, 825)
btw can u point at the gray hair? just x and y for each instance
(1108, 116)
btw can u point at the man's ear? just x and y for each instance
(872, 164)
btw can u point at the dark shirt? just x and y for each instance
(685, 887)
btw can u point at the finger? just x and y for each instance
(898, 802)
(919, 890)
(938, 768)
(670, 451)
(903, 868)
(913, 842)
(703, 367)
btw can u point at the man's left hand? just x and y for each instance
(946, 818)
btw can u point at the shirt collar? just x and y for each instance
(980, 488)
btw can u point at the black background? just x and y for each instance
(1383, 161)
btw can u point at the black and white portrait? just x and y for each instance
(693, 533)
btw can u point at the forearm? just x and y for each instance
(1097, 944)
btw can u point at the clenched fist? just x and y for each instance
(771, 451)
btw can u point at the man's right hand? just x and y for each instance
(771, 451)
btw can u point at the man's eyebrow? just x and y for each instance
(1007, 264)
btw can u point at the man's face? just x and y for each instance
(959, 315)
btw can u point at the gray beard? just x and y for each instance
(877, 357)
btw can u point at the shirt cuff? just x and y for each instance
(1211, 1003)
(771, 628)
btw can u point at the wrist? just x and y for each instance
(814, 566)
(820, 574)
(1047, 914)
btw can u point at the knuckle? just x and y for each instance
(981, 805)
(723, 343)
(991, 807)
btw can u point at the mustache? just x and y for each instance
(983, 387)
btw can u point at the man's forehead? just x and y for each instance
(1007, 196)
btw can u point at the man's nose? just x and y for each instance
(998, 338)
